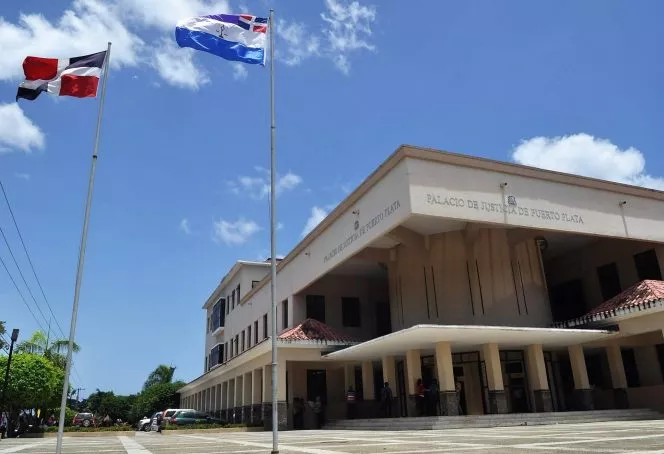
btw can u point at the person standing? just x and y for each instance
(160, 422)
(434, 398)
(386, 400)
(419, 396)
(319, 413)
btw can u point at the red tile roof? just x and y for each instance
(641, 296)
(312, 330)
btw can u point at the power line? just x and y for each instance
(25, 249)
(4, 265)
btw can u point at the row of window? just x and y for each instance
(221, 309)
(350, 310)
(241, 342)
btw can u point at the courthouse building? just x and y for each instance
(517, 289)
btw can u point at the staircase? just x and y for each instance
(503, 420)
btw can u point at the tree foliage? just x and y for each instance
(2, 333)
(155, 398)
(34, 381)
(161, 375)
(55, 350)
(103, 403)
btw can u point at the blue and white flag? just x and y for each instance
(236, 37)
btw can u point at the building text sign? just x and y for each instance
(511, 208)
(362, 229)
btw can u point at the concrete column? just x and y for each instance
(267, 383)
(256, 395)
(413, 370)
(413, 373)
(237, 405)
(537, 378)
(213, 398)
(494, 375)
(247, 387)
(390, 373)
(647, 364)
(206, 393)
(368, 391)
(219, 400)
(584, 397)
(449, 399)
(349, 376)
(618, 377)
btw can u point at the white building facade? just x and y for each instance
(502, 287)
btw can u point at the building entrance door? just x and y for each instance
(515, 381)
(470, 380)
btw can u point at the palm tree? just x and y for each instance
(40, 344)
(162, 374)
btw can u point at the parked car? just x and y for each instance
(171, 411)
(144, 424)
(84, 420)
(184, 417)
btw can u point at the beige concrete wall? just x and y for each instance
(369, 290)
(506, 285)
(437, 188)
(583, 262)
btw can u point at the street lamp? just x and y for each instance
(9, 362)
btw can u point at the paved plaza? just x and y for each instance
(636, 437)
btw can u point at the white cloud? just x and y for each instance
(348, 30)
(176, 66)
(317, 215)
(280, 225)
(239, 71)
(234, 233)
(18, 132)
(185, 227)
(583, 154)
(258, 187)
(165, 14)
(299, 45)
(84, 28)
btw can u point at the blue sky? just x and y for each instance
(573, 86)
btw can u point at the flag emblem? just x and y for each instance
(77, 76)
(235, 37)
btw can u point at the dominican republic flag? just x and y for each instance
(78, 76)
(234, 37)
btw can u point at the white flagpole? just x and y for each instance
(273, 248)
(81, 257)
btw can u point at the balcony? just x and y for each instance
(218, 331)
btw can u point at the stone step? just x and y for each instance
(478, 421)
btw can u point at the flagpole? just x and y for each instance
(273, 248)
(81, 256)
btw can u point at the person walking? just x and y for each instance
(386, 400)
(351, 403)
(160, 422)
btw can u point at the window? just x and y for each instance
(568, 300)
(218, 317)
(228, 306)
(237, 344)
(254, 283)
(609, 281)
(249, 336)
(265, 326)
(233, 299)
(284, 314)
(316, 307)
(209, 324)
(255, 332)
(216, 355)
(226, 352)
(350, 312)
(647, 265)
(660, 356)
(243, 340)
(206, 364)
(237, 290)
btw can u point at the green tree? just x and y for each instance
(34, 381)
(161, 375)
(53, 349)
(103, 403)
(155, 398)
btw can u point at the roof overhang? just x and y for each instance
(466, 338)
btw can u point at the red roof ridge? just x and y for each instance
(315, 330)
(644, 292)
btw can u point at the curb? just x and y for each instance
(212, 431)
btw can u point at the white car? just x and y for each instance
(144, 424)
